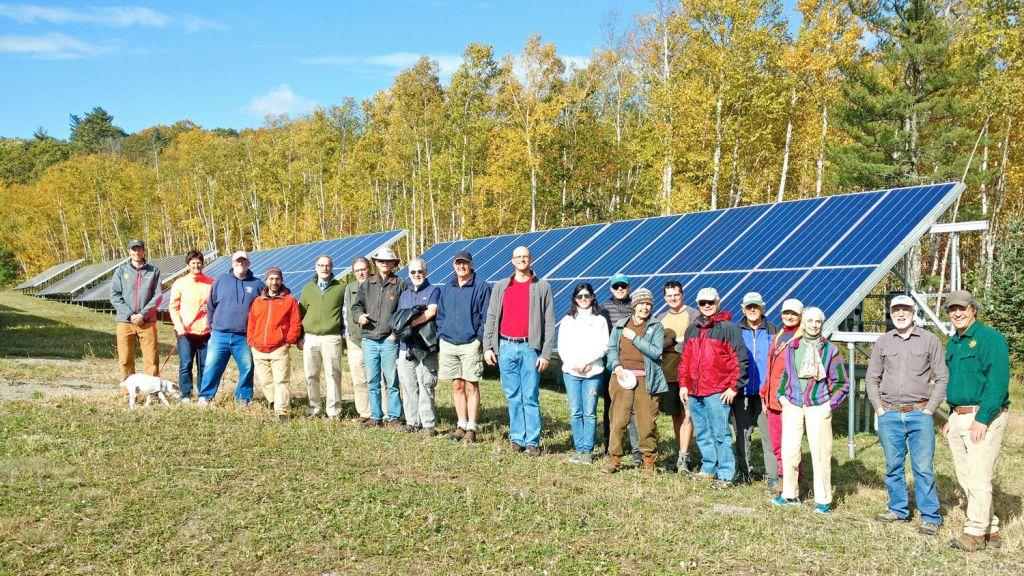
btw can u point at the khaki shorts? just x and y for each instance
(463, 361)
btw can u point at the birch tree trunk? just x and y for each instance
(821, 150)
(785, 152)
(718, 149)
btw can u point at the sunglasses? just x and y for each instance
(416, 272)
(619, 286)
(584, 296)
(706, 303)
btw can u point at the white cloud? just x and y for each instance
(388, 64)
(112, 16)
(280, 100)
(51, 46)
(579, 62)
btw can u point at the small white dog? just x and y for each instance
(150, 386)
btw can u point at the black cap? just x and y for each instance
(136, 244)
(463, 255)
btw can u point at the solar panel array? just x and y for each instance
(298, 262)
(80, 279)
(828, 252)
(170, 268)
(48, 275)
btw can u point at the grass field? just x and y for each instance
(89, 487)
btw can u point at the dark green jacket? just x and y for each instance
(321, 311)
(979, 371)
(378, 299)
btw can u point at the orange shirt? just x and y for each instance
(188, 304)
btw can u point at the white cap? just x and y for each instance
(385, 254)
(753, 298)
(707, 294)
(902, 300)
(239, 255)
(793, 305)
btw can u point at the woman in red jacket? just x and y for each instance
(771, 415)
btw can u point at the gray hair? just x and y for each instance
(813, 312)
(419, 261)
(360, 259)
(329, 259)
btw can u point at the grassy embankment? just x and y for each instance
(87, 486)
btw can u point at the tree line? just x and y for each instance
(700, 104)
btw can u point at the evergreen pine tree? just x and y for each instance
(1005, 300)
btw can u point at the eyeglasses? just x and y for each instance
(703, 303)
(584, 296)
(620, 286)
(416, 272)
(357, 270)
(520, 257)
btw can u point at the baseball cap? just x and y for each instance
(239, 255)
(753, 298)
(902, 300)
(707, 295)
(793, 305)
(463, 255)
(619, 278)
(136, 244)
(959, 298)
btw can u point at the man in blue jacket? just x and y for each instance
(228, 313)
(746, 409)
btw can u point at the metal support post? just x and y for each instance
(852, 417)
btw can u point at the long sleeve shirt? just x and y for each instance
(979, 371)
(901, 369)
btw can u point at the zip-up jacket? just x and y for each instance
(230, 299)
(273, 321)
(650, 344)
(189, 295)
(541, 336)
(831, 390)
(758, 342)
(135, 291)
(462, 310)
(776, 366)
(321, 311)
(714, 356)
(379, 299)
(616, 309)
(352, 328)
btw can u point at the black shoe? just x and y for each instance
(371, 423)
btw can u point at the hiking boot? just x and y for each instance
(719, 484)
(968, 543)
(648, 464)
(517, 448)
(532, 451)
(429, 432)
(394, 424)
(888, 517)
(611, 464)
(410, 429)
(638, 459)
(930, 529)
(993, 541)
(371, 423)
(458, 434)
(469, 437)
(681, 464)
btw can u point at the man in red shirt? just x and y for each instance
(519, 335)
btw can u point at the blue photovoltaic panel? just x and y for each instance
(829, 252)
(48, 275)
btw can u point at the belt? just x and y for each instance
(973, 409)
(516, 340)
(904, 407)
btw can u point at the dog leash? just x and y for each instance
(174, 348)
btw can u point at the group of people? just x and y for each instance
(717, 379)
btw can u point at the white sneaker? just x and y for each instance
(202, 402)
(186, 400)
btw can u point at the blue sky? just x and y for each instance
(229, 63)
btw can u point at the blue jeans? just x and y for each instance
(711, 424)
(381, 360)
(191, 350)
(222, 346)
(582, 393)
(520, 381)
(898, 431)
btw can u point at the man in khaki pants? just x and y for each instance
(353, 337)
(274, 325)
(320, 306)
(978, 397)
(135, 294)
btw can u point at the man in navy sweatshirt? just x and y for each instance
(228, 313)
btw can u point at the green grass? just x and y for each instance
(87, 486)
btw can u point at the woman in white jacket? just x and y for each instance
(582, 343)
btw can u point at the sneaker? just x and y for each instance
(517, 448)
(686, 472)
(532, 451)
(993, 541)
(429, 432)
(780, 501)
(394, 424)
(585, 458)
(457, 434)
(411, 429)
(186, 400)
(774, 488)
(929, 528)
(203, 401)
(822, 509)
(888, 517)
(702, 476)
(574, 458)
(371, 423)
(242, 403)
(719, 484)
(469, 437)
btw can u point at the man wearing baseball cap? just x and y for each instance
(758, 333)
(712, 372)
(899, 385)
(376, 300)
(227, 310)
(461, 315)
(978, 396)
(135, 294)
(617, 307)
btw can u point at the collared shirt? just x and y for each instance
(979, 371)
(901, 369)
(323, 284)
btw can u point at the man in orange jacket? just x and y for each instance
(274, 325)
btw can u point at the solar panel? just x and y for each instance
(48, 275)
(829, 252)
(170, 268)
(80, 279)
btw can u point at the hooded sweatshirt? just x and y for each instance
(714, 356)
(230, 300)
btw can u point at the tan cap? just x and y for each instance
(959, 298)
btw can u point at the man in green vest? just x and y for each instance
(320, 307)
(978, 397)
